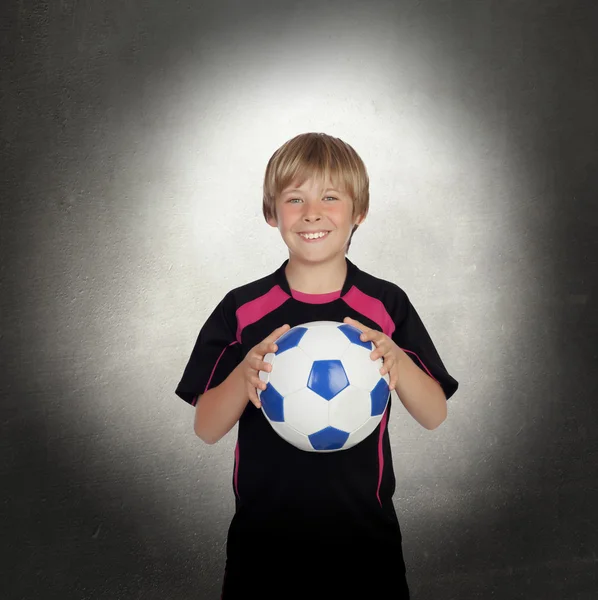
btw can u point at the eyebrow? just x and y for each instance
(295, 190)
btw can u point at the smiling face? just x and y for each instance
(314, 206)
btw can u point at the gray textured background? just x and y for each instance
(134, 139)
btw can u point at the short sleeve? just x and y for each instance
(412, 336)
(215, 355)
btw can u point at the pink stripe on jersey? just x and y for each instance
(381, 454)
(253, 311)
(421, 362)
(375, 311)
(214, 369)
(372, 308)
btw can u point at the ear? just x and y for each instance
(360, 219)
(272, 222)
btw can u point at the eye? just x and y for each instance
(290, 200)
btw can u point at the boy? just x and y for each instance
(312, 525)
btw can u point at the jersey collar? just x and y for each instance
(281, 278)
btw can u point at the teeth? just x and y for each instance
(313, 236)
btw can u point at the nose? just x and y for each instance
(311, 214)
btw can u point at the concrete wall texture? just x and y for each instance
(134, 140)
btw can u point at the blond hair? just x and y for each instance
(322, 156)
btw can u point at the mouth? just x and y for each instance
(314, 237)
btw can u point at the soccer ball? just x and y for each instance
(324, 392)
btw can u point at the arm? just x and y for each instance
(423, 397)
(220, 408)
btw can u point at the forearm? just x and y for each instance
(423, 397)
(221, 407)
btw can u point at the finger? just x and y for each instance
(387, 366)
(260, 385)
(376, 339)
(354, 321)
(253, 397)
(277, 332)
(269, 345)
(377, 353)
(369, 334)
(263, 350)
(258, 364)
(356, 324)
(266, 348)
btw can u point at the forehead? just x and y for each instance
(314, 183)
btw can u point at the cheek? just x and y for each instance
(341, 211)
(285, 220)
(289, 215)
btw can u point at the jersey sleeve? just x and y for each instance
(412, 336)
(215, 355)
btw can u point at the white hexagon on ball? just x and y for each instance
(350, 409)
(360, 434)
(324, 343)
(288, 371)
(306, 411)
(360, 372)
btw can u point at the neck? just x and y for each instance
(316, 278)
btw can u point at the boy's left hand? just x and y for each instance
(385, 348)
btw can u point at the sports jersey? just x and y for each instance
(321, 523)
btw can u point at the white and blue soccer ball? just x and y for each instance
(324, 392)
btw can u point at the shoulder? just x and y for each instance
(248, 292)
(393, 296)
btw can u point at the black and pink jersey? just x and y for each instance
(291, 504)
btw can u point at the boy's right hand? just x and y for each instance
(254, 362)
